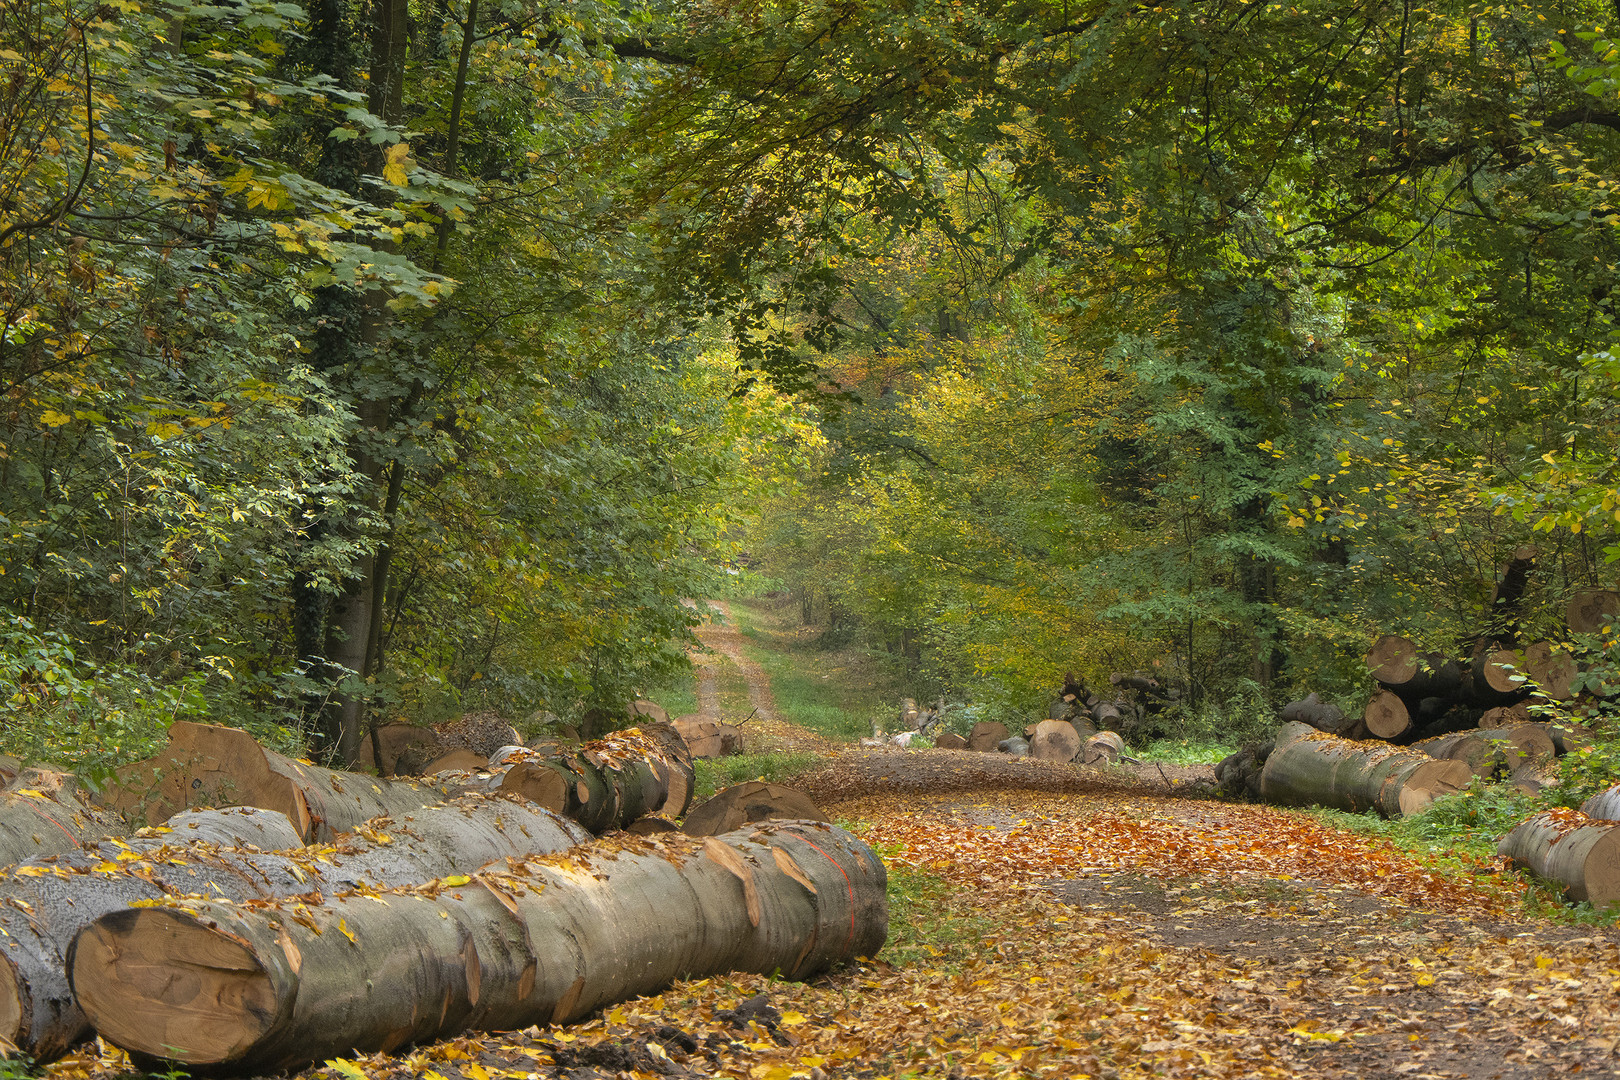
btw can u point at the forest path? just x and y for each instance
(764, 729)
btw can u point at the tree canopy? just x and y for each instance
(366, 357)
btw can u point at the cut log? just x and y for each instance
(643, 711)
(1103, 748)
(651, 826)
(1568, 737)
(1604, 806)
(1532, 740)
(251, 991)
(1386, 716)
(45, 813)
(604, 784)
(1238, 775)
(1551, 669)
(744, 804)
(1309, 767)
(455, 761)
(985, 735)
(1017, 746)
(1486, 753)
(708, 739)
(480, 733)
(1319, 714)
(910, 715)
(1393, 660)
(1535, 778)
(1054, 740)
(1567, 846)
(948, 741)
(402, 749)
(1498, 677)
(207, 765)
(1590, 609)
(1111, 715)
(1505, 716)
(67, 892)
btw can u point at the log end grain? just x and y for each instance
(205, 1009)
(1387, 716)
(1393, 660)
(985, 735)
(1054, 740)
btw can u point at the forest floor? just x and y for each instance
(1061, 921)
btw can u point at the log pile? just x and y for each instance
(44, 903)
(271, 986)
(45, 813)
(603, 784)
(1579, 851)
(1308, 767)
(208, 765)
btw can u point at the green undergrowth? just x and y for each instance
(716, 773)
(1193, 751)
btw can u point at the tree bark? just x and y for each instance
(1308, 767)
(44, 814)
(207, 765)
(1571, 848)
(247, 990)
(1604, 806)
(68, 892)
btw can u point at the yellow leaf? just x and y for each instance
(453, 880)
(1425, 979)
(343, 928)
(476, 1071)
(52, 418)
(791, 1018)
(345, 1067)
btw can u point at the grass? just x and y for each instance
(716, 773)
(677, 700)
(928, 922)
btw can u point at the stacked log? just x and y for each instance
(46, 902)
(1578, 851)
(747, 804)
(986, 734)
(709, 739)
(208, 765)
(604, 784)
(271, 987)
(1308, 767)
(1054, 740)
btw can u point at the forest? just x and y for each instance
(380, 359)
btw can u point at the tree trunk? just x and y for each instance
(1321, 715)
(1308, 767)
(1604, 806)
(69, 892)
(1567, 846)
(206, 765)
(985, 735)
(243, 990)
(1486, 753)
(1103, 748)
(44, 814)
